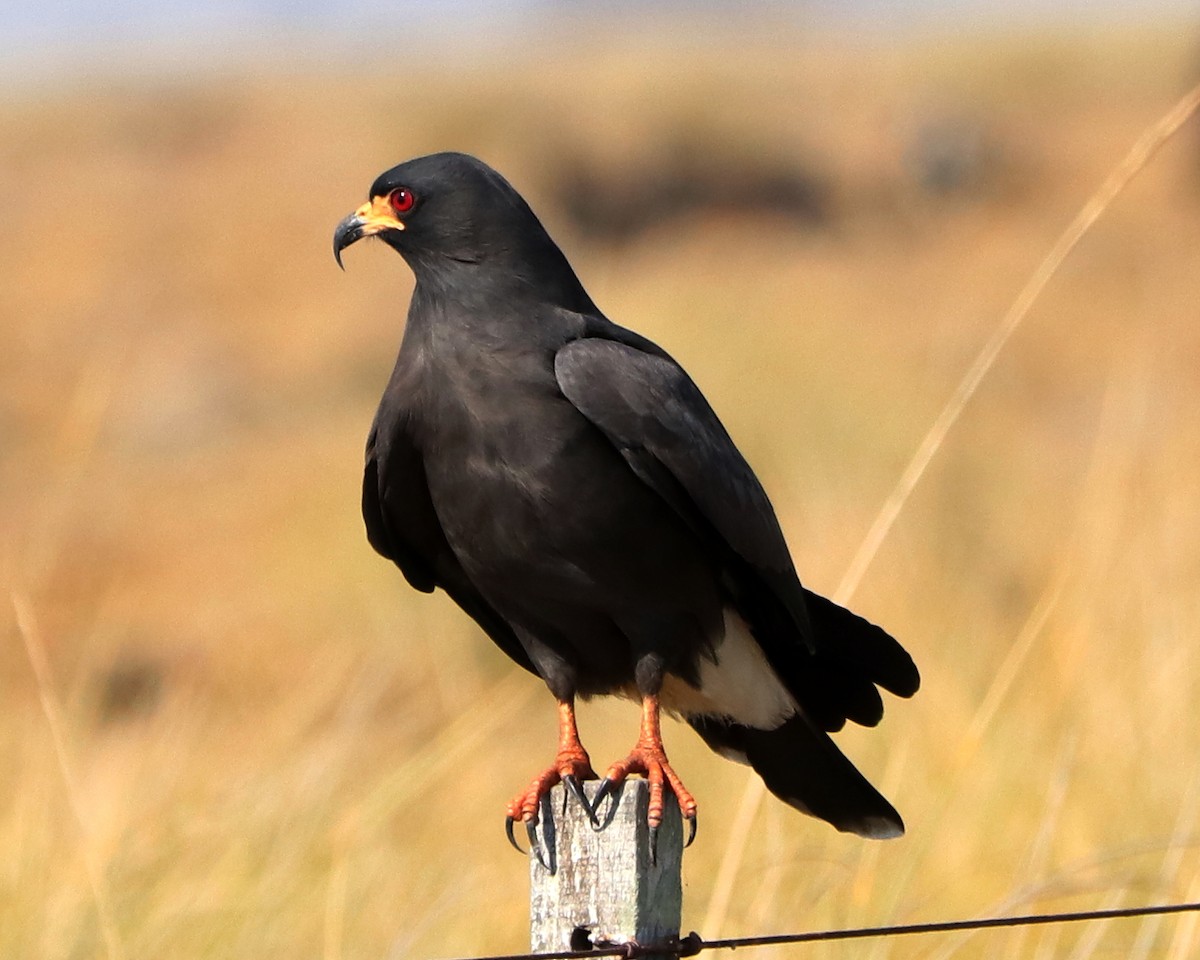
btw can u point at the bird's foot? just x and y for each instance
(571, 767)
(650, 759)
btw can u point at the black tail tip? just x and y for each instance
(877, 827)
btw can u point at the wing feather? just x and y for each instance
(403, 526)
(654, 414)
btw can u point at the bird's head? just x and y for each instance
(448, 209)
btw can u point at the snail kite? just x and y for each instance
(567, 484)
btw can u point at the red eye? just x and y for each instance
(402, 200)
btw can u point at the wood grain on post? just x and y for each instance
(601, 887)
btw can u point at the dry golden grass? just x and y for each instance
(246, 737)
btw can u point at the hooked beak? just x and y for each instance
(374, 216)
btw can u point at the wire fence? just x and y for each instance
(693, 943)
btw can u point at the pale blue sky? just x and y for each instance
(44, 39)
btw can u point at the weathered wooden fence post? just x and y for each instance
(601, 886)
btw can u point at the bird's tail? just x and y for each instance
(802, 766)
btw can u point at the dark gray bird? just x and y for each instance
(567, 484)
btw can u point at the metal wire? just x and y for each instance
(693, 943)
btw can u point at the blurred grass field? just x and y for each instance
(269, 746)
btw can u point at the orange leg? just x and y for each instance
(571, 765)
(649, 758)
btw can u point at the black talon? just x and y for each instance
(534, 845)
(508, 830)
(653, 844)
(605, 790)
(572, 784)
(691, 830)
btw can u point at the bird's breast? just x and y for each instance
(532, 497)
